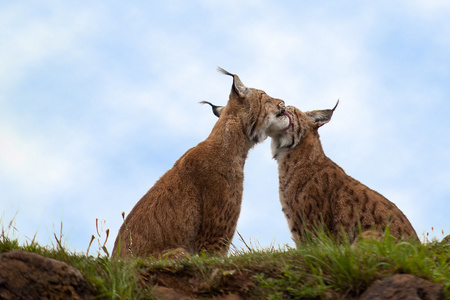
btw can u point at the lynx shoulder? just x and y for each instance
(195, 205)
(314, 191)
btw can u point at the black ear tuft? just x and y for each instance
(335, 105)
(238, 87)
(223, 71)
(216, 109)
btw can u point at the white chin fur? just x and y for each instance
(273, 127)
(278, 125)
(281, 143)
(277, 151)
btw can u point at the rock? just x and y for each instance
(165, 293)
(220, 285)
(446, 240)
(26, 275)
(403, 286)
(228, 297)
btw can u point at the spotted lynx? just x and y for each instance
(195, 205)
(313, 189)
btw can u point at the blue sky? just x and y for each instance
(99, 99)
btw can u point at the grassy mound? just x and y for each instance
(318, 268)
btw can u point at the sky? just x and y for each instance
(99, 99)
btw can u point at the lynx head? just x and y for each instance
(260, 114)
(303, 123)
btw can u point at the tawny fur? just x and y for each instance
(314, 191)
(195, 205)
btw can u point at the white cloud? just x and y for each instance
(33, 36)
(430, 9)
(28, 164)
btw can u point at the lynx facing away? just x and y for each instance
(195, 205)
(315, 191)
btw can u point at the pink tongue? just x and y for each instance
(290, 120)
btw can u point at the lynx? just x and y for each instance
(195, 205)
(315, 191)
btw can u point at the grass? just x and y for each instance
(319, 268)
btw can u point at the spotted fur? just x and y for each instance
(195, 205)
(315, 191)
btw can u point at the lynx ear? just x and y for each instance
(238, 87)
(216, 109)
(321, 117)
